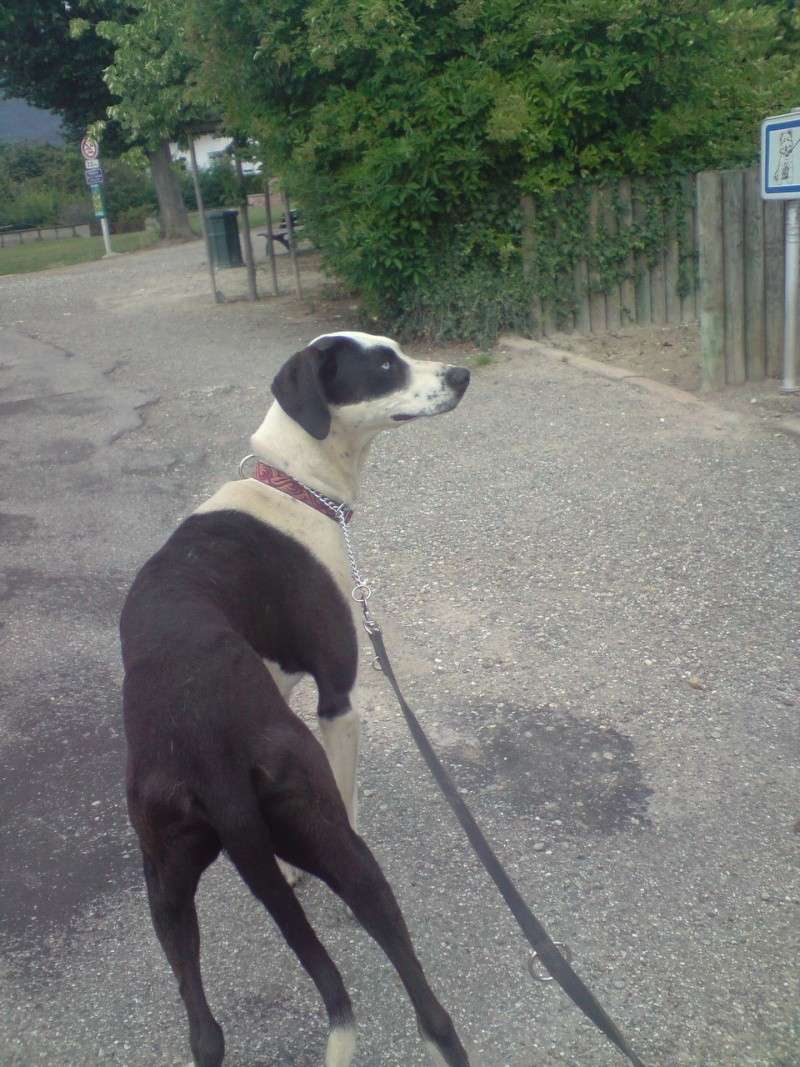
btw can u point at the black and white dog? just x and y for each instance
(216, 758)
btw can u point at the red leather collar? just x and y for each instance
(262, 472)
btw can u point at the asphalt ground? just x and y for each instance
(591, 595)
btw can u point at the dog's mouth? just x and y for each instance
(436, 409)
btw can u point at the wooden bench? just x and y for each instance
(281, 234)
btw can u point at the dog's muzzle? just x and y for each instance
(454, 381)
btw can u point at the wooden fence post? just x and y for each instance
(754, 307)
(608, 213)
(644, 305)
(627, 289)
(712, 285)
(583, 317)
(528, 206)
(689, 311)
(733, 274)
(658, 288)
(597, 299)
(774, 266)
(672, 269)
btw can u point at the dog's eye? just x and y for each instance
(386, 365)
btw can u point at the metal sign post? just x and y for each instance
(780, 180)
(90, 150)
(790, 290)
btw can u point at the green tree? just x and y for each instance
(41, 63)
(409, 128)
(151, 80)
(45, 63)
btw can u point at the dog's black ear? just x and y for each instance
(298, 389)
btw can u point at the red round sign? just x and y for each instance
(90, 149)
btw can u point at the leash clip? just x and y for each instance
(362, 592)
(536, 966)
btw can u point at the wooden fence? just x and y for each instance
(653, 289)
(11, 235)
(741, 242)
(736, 241)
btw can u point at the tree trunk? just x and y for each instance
(173, 218)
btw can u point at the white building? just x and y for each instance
(207, 148)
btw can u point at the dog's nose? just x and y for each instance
(457, 378)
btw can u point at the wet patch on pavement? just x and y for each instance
(277, 1013)
(63, 835)
(19, 407)
(157, 460)
(65, 450)
(14, 581)
(87, 596)
(546, 762)
(15, 529)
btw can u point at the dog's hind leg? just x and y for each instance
(333, 852)
(359, 881)
(172, 874)
(251, 851)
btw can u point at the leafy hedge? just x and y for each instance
(409, 129)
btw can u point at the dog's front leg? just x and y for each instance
(340, 727)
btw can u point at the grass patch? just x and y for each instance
(41, 255)
(66, 252)
(483, 359)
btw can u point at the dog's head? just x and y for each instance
(365, 383)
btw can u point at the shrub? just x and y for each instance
(474, 303)
(131, 220)
(34, 207)
(127, 189)
(408, 131)
(218, 184)
(75, 212)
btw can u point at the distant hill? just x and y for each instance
(21, 122)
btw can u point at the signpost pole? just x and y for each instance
(90, 150)
(106, 235)
(790, 296)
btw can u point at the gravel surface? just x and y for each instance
(591, 595)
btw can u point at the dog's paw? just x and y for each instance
(293, 875)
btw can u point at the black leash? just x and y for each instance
(543, 946)
(533, 930)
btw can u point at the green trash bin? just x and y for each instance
(223, 236)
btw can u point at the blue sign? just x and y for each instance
(780, 157)
(94, 177)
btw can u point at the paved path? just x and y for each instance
(592, 595)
